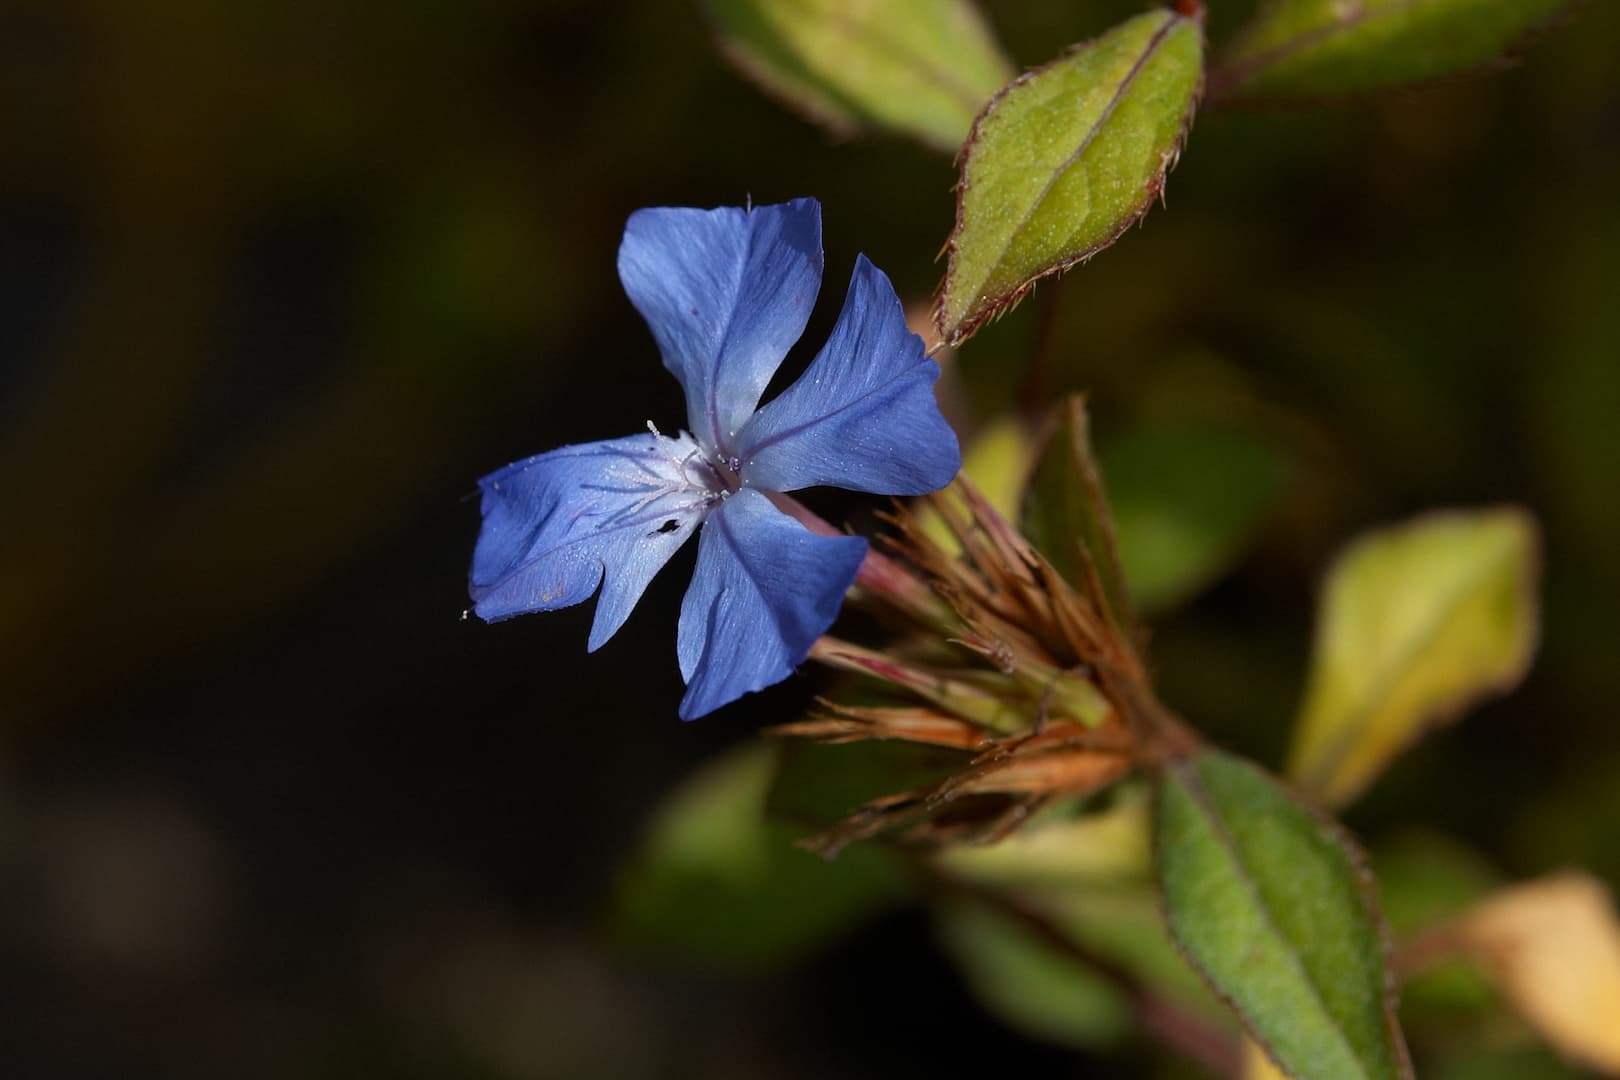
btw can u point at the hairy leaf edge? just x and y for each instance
(1366, 894)
(997, 306)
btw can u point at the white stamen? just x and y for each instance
(669, 455)
(657, 485)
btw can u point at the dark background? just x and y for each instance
(279, 282)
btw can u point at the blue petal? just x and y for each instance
(557, 525)
(764, 589)
(863, 416)
(726, 292)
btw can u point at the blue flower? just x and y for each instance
(726, 292)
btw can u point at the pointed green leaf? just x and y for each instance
(1066, 514)
(716, 882)
(1187, 499)
(1272, 905)
(1063, 160)
(1329, 48)
(1417, 622)
(920, 67)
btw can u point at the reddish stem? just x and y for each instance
(878, 574)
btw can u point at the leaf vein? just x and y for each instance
(1193, 785)
(1091, 134)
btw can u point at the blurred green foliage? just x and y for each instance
(1187, 501)
(1030, 985)
(720, 883)
(1305, 49)
(922, 67)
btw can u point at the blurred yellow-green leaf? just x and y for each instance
(1328, 48)
(997, 462)
(1416, 622)
(1064, 160)
(923, 68)
(718, 883)
(1187, 498)
(1109, 844)
(1273, 907)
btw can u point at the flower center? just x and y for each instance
(725, 472)
(690, 466)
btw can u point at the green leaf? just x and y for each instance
(1066, 515)
(920, 67)
(1303, 49)
(1063, 160)
(716, 882)
(1273, 906)
(1417, 622)
(1187, 500)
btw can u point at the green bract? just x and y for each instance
(1272, 905)
(920, 67)
(1327, 48)
(1063, 160)
(1066, 513)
